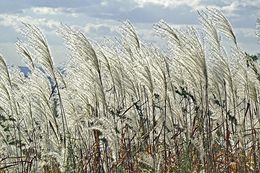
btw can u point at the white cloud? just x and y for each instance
(53, 11)
(91, 26)
(47, 10)
(249, 2)
(231, 9)
(15, 21)
(170, 3)
(237, 8)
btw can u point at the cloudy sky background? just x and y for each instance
(101, 18)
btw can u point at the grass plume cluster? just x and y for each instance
(131, 107)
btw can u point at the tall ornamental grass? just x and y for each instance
(128, 106)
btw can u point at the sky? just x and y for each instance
(101, 19)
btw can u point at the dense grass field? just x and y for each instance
(128, 106)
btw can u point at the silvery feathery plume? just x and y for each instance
(42, 56)
(136, 62)
(84, 56)
(38, 44)
(131, 40)
(5, 75)
(188, 52)
(6, 88)
(221, 23)
(23, 50)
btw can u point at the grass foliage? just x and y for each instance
(128, 106)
